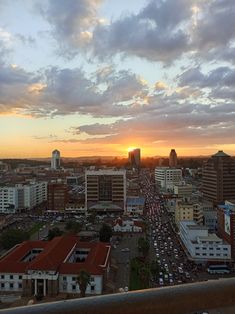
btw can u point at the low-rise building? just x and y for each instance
(201, 245)
(51, 267)
(135, 205)
(124, 226)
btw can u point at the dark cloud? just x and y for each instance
(155, 33)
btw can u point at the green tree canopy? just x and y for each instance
(143, 246)
(73, 226)
(105, 233)
(55, 232)
(83, 280)
(11, 237)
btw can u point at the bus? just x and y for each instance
(218, 269)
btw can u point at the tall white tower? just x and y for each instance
(55, 159)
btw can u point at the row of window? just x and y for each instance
(11, 277)
(3, 285)
(211, 254)
(75, 278)
(211, 248)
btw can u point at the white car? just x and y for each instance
(161, 283)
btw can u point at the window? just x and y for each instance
(20, 285)
(204, 248)
(204, 254)
(2, 285)
(74, 278)
(64, 278)
(2, 276)
(20, 277)
(210, 248)
(92, 279)
(11, 276)
(92, 288)
(11, 285)
(218, 249)
(211, 254)
(197, 254)
(73, 287)
(225, 249)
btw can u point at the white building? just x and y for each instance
(47, 268)
(166, 177)
(22, 196)
(8, 199)
(121, 225)
(55, 159)
(201, 245)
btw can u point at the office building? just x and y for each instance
(134, 158)
(57, 196)
(173, 159)
(47, 268)
(188, 211)
(183, 190)
(22, 196)
(218, 178)
(105, 190)
(201, 245)
(166, 177)
(55, 159)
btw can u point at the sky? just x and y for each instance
(96, 77)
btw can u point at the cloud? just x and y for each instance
(154, 33)
(71, 22)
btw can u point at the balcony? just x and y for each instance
(213, 297)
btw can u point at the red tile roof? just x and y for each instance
(54, 254)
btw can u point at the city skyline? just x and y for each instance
(96, 77)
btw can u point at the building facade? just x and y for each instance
(134, 158)
(226, 223)
(47, 268)
(166, 177)
(201, 245)
(105, 190)
(57, 196)
(218, 178)
(55, 159)
(22, 196)
(173, 159)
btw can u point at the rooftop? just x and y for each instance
(220, 153)
(54, 256)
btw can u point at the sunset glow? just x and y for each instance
(93, 89)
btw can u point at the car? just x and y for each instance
(187, 275)
(166, 277)
(180, 270)
(161, 282)
(157, 255)
(125, 249)
(171, 281)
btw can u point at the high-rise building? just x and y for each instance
(134, 157)
(218, 178)
(55, 159)
(57, 196)
(106, 190)
(173, 159)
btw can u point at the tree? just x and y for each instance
(105, 233)
(143, 246)
(83, 280)
(11, 237)
(73, 226)
(55, 232)
(144, 273)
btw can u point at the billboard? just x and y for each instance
(227, 222)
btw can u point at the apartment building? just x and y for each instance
(166, 177)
